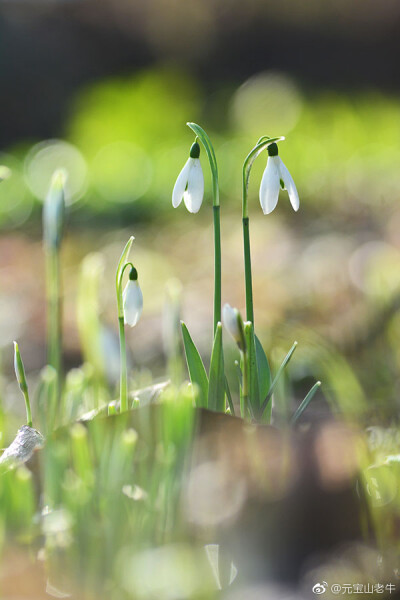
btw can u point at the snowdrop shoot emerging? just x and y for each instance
(189, 185)
(275, 177)
(132, 299)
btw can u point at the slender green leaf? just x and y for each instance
(305, 402)
(229, 397)
(216, 385)
(264, 378)
(254, 392)
(197, 372)
(277, 376)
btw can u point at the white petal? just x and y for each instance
(180, 184)
(289, 185)
(193, 196)
(132, 303)
(229, 318)
(269, 188)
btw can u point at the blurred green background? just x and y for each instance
(105, 89)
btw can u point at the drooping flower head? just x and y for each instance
(132, 298)
(276, 177)
(189, 185)
(234, 324)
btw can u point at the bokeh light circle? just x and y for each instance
(48, 156)
(268, 104)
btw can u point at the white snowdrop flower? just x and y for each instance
(276, 176)
(190, 182)
(234, 325)
(132, 299)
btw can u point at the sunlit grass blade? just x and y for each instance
(250, 356)
(197, 372)
(216, 384)
(277, 376)
(21, 378)
(264, 377)
(229, 398)
(305, 402)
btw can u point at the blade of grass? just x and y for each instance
(216, 384)
(229, 397)
(305, 402)
(197, 372)
(277, 376)
(264, 377)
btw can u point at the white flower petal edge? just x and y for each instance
(229, 318)
(193, 196)
(132, 303)
(289, 185)
(270, 184)
(180, 184)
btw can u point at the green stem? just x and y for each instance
(122, 265)
(262, 143)
(123, 389)
(54, 312)
(205, 140)
(247, 271)
(28, 408)
(217, 267)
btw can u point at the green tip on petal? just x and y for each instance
(194, 150)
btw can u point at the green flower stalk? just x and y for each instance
(53, 227)
(262, 143)
(21, 378)
(189, 187)
(130, 305)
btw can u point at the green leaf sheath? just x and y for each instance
(197, 372)
(216, 385)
